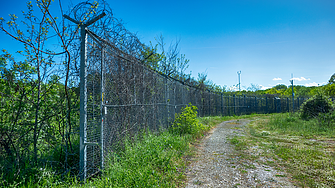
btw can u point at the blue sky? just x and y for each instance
(265, 40)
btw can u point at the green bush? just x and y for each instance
(318, 104)
(327, 119)
(187, 123)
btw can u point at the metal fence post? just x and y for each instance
(216, 104)
(209, 103)
(244, 107)
(266, 105)
(228, 107)
(234, 103)
(83, 92)
(174, 100)
(167, 101)
(103, 109)
(83, 103)
(221, 104)
(255, 105)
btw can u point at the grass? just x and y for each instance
(155, 161)
(152, 160)
(304, 149)
(212, 121)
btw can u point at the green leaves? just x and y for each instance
(187, 123)
(318, 104)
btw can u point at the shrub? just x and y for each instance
(186, 121)
(318, 104)
(327, 119)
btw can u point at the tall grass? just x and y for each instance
(153, 161)
(148, 160)
(291, 124)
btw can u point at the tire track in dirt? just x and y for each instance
(215, 166)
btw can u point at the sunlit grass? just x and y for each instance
(150, 160)
(215, 120)
(154, 161)
(305, 149)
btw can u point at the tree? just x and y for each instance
(37, 113)
(169, 61)
(330, 87)
(280, 87)
(253, 87)
(318, 104)
(332, 79)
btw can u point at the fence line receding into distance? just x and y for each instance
(120, 96)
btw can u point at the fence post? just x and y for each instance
(255, 105)
(228, 107)
(174, 99)
(83, 103)
(209, 94)
(167, 102)
(103, 110)
(234, 103)
(266, 105)
(275, 105)
(216, 104)
(83, 92)
(221, 104)
(244, 107)
(183, 95)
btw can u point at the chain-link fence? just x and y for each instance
(125, 97)
(120, 96)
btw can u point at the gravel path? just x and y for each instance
(214, 166)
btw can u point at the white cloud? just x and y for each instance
(300, 79)
(264, 87)
(276, 79)
(314, 84)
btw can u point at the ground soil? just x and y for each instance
(215, 164)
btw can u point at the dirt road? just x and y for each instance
(215, 165)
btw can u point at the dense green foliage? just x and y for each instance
(34, 124)
(148, 160)
(318, 104)
(152, 161)
(39, 100)
(186, 122)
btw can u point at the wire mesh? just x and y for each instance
(125, 97)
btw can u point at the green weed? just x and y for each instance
(154, 161)
(305, 149)
(186, 122)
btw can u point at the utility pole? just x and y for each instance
(239, 80)
(292, 93)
